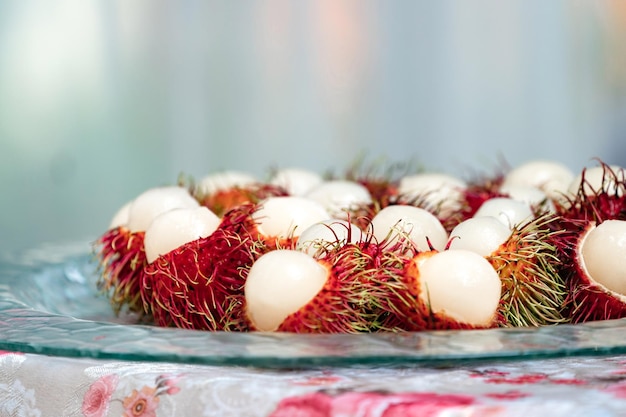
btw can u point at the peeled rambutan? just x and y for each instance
(596, 194)
(551, 177)
(348, 290)
(449, 289)
(296, 181)
(222, 199)
(342, 199)
(199, 285)
(417, 227)
(279, 221)
(441, 194)
(121, 249)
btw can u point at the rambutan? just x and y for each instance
(121, 258)
(296, 181)
(381, 178)
(223, 191)
(348, 290)
(441, 194)
(325, 236)
(527, 262)
(121, 250)
(418, 227)
(449, 289)
(342, 199)
(551, 177)
(597, 196)
(598, 273)
(199, 285)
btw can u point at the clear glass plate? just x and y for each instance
(49, 305)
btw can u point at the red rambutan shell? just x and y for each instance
(223, 200)
(200, 284)
(355, 297)
(588, 299)
(121, 261)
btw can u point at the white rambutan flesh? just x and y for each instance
(552, 177)
(155, 201)
(462, 285)
(286, 217)
(604, 255)
(279, 283)
(340, 197)
(603, 178)
(530, 195)
(223, 180)
(326, 235)
(296, 181)
(482, 235)
(176, 227)
(397, 222)
(120, 218)
(440, 192)
(509, 211)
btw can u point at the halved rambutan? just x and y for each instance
(596, 195)
(598, 273)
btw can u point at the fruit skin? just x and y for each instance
(221, 201)
(121, 258)
(589, 300)
(577, 214)
(534, 293)
(200, 284)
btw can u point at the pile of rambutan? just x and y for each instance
(405, 250)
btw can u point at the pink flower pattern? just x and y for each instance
(139, 403)
(371, 404)
(97, 398)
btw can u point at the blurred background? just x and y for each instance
(100, 100)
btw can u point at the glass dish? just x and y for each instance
(49, 305)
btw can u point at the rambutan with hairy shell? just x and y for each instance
(596, 195)
(449, 289)
(121, 251)
(598, 273)
(476, 192)
(381, 178)
(199, 285)
(349, 290)
(221, 200)
(121, 258)
(533, 291)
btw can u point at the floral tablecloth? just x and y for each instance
(34, 385)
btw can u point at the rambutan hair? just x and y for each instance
(121, 258)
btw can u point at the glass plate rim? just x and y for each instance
(21, 325)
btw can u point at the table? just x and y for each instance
(39, 385)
